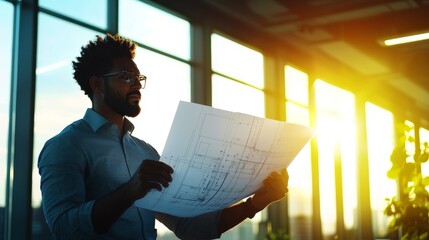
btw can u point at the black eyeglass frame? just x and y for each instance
(129, 80)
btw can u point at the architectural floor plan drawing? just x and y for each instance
(220, 157)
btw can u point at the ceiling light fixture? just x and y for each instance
(407, 39)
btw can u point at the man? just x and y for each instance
(94, 170)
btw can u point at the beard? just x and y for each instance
(120, 104)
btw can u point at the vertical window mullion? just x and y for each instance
(201, 64)
(364, 214)
(20, 149)
(275, 109)
(317, 225)
(113, 16)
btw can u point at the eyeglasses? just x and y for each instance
(129, 77)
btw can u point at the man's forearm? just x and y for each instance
(109, 208)
(232, 216)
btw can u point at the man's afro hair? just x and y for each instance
(97, 56)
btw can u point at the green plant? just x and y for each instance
(410, 208)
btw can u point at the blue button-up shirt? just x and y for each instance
(90, 159)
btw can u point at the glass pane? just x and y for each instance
(155, 28)
(300, 196)
(93, 12)
(332, 100)
(296, 85)
(237, 61)
(424, 138)
(233, 96)
(297, 114)
(336, 132)
(59, 100)
(164, 90)
(6, 25)
(380, 133)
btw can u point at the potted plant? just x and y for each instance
(409, 209)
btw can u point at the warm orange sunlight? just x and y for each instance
(300, 185)
(348, 182)
(380, 132)
(336, 126)
(300, 196)
(243, 91)
(296, 86)
(336, 134)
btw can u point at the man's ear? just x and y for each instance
(96, 84)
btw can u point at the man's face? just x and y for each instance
(120, 96)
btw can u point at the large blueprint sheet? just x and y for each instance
(220, 157)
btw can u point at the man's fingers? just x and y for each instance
(155, 178)
(275, 188)
(157, 174)
(156, 168)
(285, 175)
(277, 183)
(282, 177)
(152, 185)
(157, 165)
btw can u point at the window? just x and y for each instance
(296, 86)
(92, 12)
(164, 90)
(238, 82)
(380, 133)
(300, 185)
(6, 24)
(155, 28)
(337, 159)
(237, 86)
(169, 80)
(237, 61)
(234, 96)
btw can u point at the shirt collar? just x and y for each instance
(96, 121)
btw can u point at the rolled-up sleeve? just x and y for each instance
(202, 227)
(62, 169)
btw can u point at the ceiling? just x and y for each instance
(348, 32)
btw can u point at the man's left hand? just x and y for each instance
(275, 188)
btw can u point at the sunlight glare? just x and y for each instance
(237, 61)
(380, 133)
(296, 85)
(336, 126)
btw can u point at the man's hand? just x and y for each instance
(151, 175)
(275, 188)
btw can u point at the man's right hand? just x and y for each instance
(151, 175)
